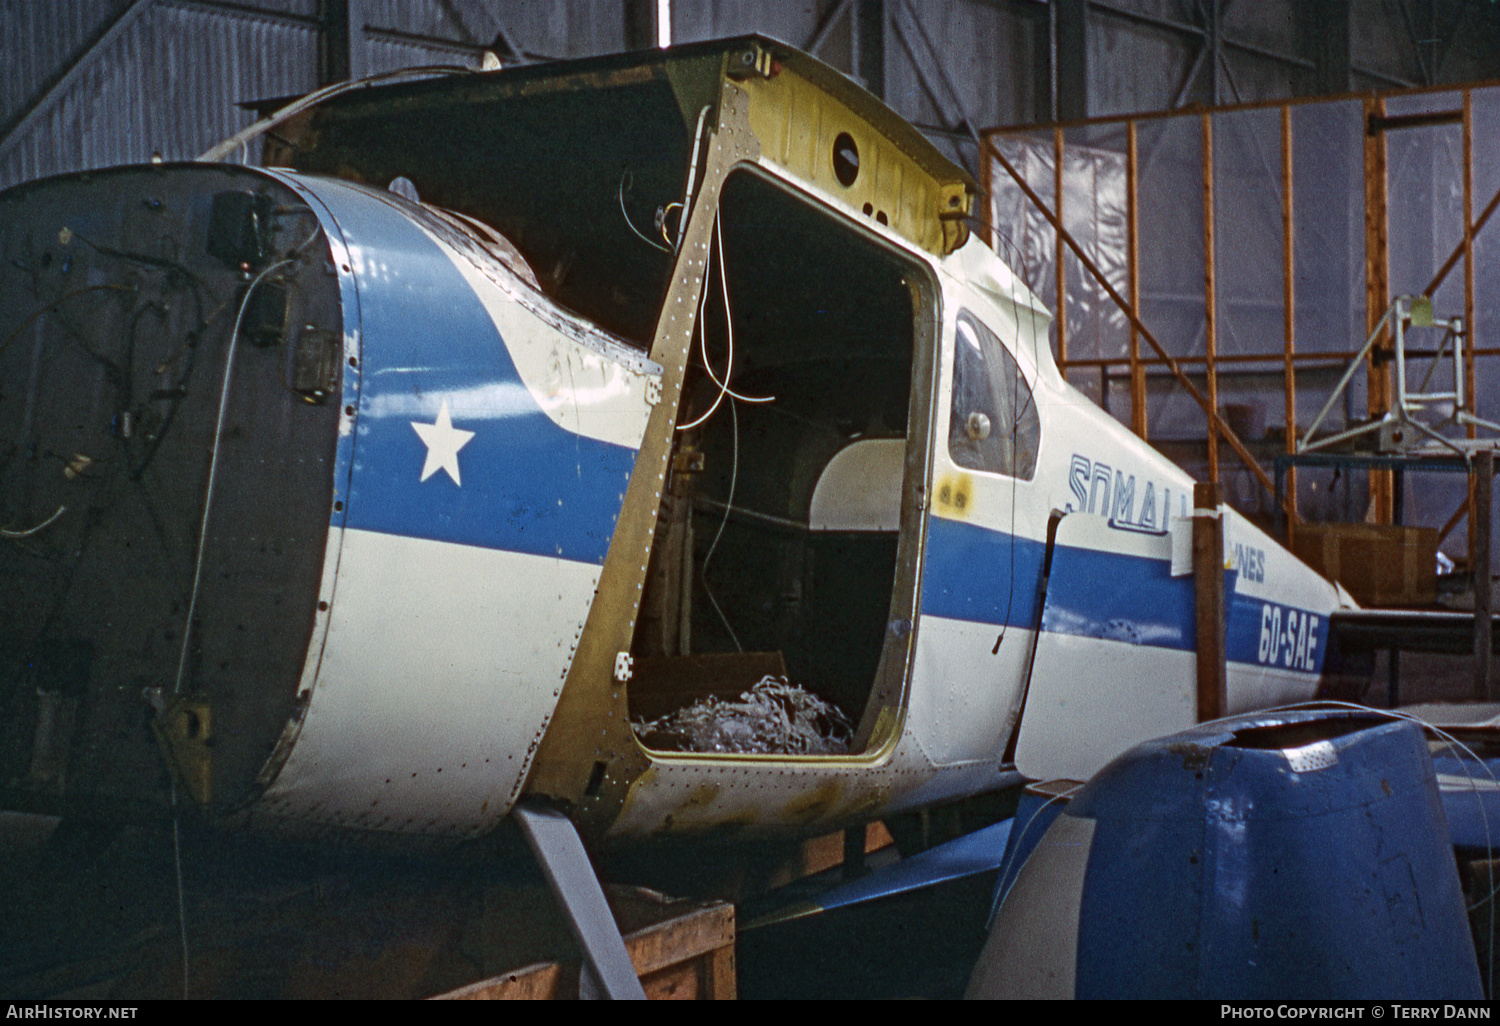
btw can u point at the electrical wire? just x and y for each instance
(213, 469)
(33, 530)
(665, 211)
(734, 470)
(728, 329)
(53, 306)
(181, 891)
(724, 389)
(631, 224)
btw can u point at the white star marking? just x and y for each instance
(443, 441)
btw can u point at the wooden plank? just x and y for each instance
(675, 940)
(1208, 581)
(1133, 258)
(721, 982)
(1377, 296)
(818, 854)
(1210, 301)
(1479, 565)
(1062, 278)
(1458, 250)
(1458, 514)
(1289, 317)
(1333, 359)
(682, 981)
(1470, 325)
(689, 956)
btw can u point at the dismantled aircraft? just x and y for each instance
(501, 418)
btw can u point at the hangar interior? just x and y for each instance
(1247, 199)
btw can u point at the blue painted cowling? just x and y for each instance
(1286, 855)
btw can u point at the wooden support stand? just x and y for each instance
(690, 956)
(1208, 583)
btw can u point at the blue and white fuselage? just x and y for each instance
(454, 539)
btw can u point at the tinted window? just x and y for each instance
(994, 425)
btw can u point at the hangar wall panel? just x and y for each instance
(166, 82)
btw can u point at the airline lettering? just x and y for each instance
(1288, 637)
(1251, 563)
(1115, 496)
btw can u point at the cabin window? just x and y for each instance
(993, 425)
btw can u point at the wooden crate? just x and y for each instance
(687, 957)
(373, 930)
(1380, 564)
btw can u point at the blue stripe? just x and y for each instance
(984, 576)
(1117, 597)
(528, 485)
(992, 577)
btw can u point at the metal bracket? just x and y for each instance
(184, 732)
(607, 969)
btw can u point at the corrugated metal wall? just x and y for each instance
(85, 83)
(90, 84)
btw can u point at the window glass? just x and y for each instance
(993, 425)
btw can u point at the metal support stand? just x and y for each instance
(607, 970)
(1399, 430)
(1208, 583)
(1479, 560)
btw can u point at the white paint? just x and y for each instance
(443, 442)
(860, 489)
(441, 666)
(579, 387)
(964, 689)
(1032, 950)
(1092, 699)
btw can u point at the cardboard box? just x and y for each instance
(1380, 565)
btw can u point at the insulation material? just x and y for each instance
(775, 717)
(1094, 213)
(1328, 241)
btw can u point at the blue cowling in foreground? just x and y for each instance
(1286, 855)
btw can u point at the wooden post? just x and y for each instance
(1479, 565)
(1469, 325)
(1062, 278)
(1289, 318)
(1133, 259)
(1208, 583)
(1377, 292)
(1210, 305)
